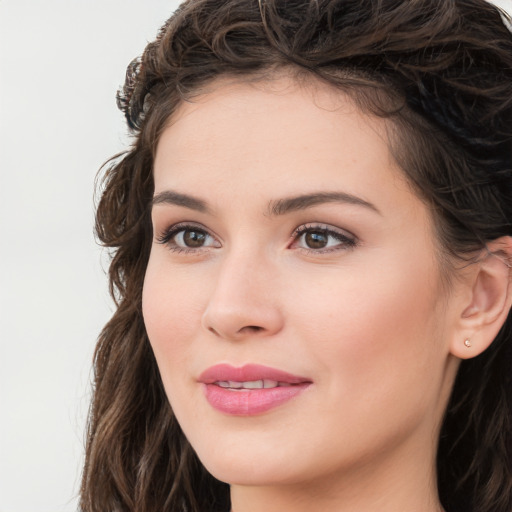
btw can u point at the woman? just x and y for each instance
(312, 242)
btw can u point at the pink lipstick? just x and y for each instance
(251, 389)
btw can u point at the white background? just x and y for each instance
(61, 62)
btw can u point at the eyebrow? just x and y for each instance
(276, 207)
(302, 202)
(170, 197)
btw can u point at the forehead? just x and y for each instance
(242, 145)
(289, 128)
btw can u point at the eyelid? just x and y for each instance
(170, 232)
(347, 240)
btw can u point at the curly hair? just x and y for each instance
(441, 72)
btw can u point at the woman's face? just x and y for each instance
(290, 253)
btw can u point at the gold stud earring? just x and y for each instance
(468, 343)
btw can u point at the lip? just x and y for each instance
(248, 402)
(249, 372)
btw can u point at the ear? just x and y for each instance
(488, 302)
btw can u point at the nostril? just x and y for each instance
(244, 330)
(252, 328)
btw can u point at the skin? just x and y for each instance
(370, 323)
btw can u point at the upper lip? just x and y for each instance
(247, 373)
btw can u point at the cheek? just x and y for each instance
(172, 305)
(376, 334)
(172, 309)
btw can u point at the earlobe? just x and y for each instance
(490, 300)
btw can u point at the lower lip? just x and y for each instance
(250, 402)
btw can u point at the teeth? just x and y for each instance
(251, 384)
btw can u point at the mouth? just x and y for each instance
(250, 389)
(251, 384)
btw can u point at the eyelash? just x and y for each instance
(347, 241)
(166, 238)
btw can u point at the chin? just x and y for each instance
(242, 462)
(250, 472)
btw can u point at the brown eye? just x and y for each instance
(316, 239)
(194, 238)
(321, 240)
(187, 238)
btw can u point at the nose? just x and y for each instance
(244, 301)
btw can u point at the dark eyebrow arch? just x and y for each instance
(170, 197)
(275, 207)
(292, 204)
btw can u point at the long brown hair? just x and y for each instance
(441, 72)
